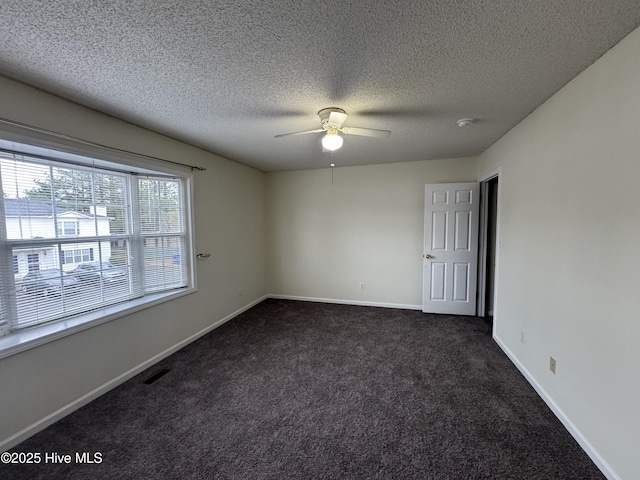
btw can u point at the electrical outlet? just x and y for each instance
(552, 365)
(523, 337)
(362, 286)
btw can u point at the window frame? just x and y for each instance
(77, 154)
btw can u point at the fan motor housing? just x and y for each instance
(325, 113)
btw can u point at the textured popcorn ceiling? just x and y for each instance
(229, 75)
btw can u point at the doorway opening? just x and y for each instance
(488, 247)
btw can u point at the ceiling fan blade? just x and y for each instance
(336, 119)
(317, 130)
(365, 132)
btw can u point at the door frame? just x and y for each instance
(482, 243)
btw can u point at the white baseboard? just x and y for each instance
(347, 302)
(600, 462)
(44, 422)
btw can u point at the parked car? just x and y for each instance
(50, 281)
(93, 272)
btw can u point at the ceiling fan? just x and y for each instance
(332, 120)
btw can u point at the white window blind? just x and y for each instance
(77, 238)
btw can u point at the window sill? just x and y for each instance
(33, 337)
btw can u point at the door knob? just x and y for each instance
(427, 256)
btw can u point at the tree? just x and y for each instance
(78, 188)
(159, 201)
(83, 191)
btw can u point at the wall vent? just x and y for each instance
(156, 376)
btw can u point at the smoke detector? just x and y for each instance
(463, 122)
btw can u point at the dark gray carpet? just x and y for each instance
(296, 390)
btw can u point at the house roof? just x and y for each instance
(25, 207)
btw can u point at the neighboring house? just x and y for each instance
(31, 219)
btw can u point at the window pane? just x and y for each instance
(47, 292)
(164, 265)
(160, 206)
(108, 277)
(149, 204)
(44, 294)
(20, 215)
(49, 202)
(117, 221)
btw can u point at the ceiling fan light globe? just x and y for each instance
(332, 141)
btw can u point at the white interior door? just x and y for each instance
(450, 260)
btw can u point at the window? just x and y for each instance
(33, 262)
(68, 228)
(77, 256)
(80, 238)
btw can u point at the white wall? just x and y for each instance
(324, 239)
(569, 269)
(229, 222)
